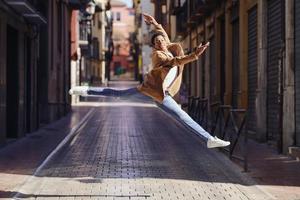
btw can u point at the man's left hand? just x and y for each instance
(201, 48)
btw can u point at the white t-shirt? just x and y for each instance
(172, 74)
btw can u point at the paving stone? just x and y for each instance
(130, 152)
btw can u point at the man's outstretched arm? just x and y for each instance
(158, 27)
(159, 59)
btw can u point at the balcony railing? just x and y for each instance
(197, 9)
(84, 33)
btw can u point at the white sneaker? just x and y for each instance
(216, 142)
(79, 90)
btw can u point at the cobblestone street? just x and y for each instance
(136, 151)
(156, 100)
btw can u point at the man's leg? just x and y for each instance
(109, 92)
(125, 94)
(173, 107)
(102, 91)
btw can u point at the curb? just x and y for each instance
(69, 136)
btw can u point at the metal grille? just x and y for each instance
(297, 69)
(223, 61)
(274, 40)
(189, 78)
(197, 77)
(194, 78)
(252, 68)
(213, 71)
(203, 77)
(235, 56)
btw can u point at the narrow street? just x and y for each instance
(233, 65)
(128, 150)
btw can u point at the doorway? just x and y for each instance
(12, 73)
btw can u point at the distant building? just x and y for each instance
(123, 26)
(91, 40)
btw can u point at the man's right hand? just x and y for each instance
(149, 19)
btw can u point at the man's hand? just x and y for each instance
(149, 19)
(201, 48)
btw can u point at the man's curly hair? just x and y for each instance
(154, 35)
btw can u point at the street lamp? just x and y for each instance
(90, 8)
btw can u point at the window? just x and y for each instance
(118, 16)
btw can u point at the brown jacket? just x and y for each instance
(162, 63)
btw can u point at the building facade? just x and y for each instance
(93, 49)
(34, 65)
(251, 63)
(91, 38)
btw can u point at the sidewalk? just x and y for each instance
(277, 174)
(20, 159)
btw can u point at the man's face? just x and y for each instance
(160, 43)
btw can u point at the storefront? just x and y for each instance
(275, 39)
(235, 54)
(297, 71)
(252, 68)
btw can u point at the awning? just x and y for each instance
(27, 10)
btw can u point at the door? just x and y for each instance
(297, 70)
(12, 100)
(252, 68)
(222, 59)
(274, 47)
(28, 85)
(212, 71)
(235, 55)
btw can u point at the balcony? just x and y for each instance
(94, 49)
(198, 8)
(27, 10)
(190, 14)
(175, 7)
(84, 34)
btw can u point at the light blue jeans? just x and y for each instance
(168, 104)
